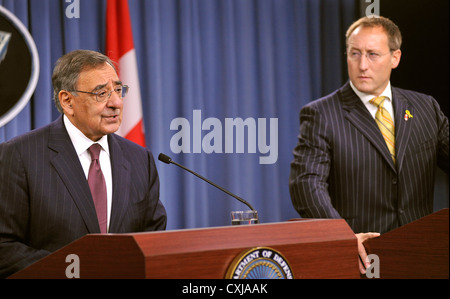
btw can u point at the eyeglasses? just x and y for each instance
(371, 56)
(103, 95)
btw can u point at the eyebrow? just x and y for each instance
(100, 86)
(368, 51)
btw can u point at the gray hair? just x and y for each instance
(68, 68)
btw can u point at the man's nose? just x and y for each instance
(114, 100)
(363, 62)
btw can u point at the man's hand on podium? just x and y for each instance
(363, 262)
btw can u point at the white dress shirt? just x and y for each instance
(365, 98)
(81, 144)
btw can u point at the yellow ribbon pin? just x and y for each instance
(409, 114)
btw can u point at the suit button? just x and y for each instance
(401, 211)
(394, 181)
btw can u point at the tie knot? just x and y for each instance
(377, 101)
(94, 151)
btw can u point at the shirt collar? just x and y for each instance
(80, 141)
(365, 97)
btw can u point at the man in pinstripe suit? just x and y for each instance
(45, 198)
(342, 166)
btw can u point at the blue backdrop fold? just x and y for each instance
(255, 60)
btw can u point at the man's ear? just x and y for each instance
(396, 55)
(66, 100)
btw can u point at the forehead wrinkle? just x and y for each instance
(101, 86)
(368, 38)
(92, 75)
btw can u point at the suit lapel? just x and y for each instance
(358, 115)
(402, 126)
(68, 167)
(121, 177)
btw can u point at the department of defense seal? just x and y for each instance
(260, 263)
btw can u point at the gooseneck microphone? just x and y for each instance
(168, 160)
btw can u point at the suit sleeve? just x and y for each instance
(15, 254)
(156, 218)
(311, 167)
(443, 138)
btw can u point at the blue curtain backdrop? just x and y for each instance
(248, 59)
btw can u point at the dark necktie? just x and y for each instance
(97, 185)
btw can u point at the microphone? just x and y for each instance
(168, 160)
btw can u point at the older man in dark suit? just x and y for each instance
(368, 152)
(74, 176)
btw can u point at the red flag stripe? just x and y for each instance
(119, 35)
(136, 135)
(120, 48)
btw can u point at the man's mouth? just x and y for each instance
(111, 118)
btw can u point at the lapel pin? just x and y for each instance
(408, 115)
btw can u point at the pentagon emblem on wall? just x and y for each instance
(19, 66)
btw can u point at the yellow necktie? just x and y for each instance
(385, 123)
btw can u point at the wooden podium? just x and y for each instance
(314, 248)
(416, 250)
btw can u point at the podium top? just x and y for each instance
(314, 248)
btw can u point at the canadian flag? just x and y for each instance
(120, 48)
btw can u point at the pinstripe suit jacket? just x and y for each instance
(342, 167)
(45, 200)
